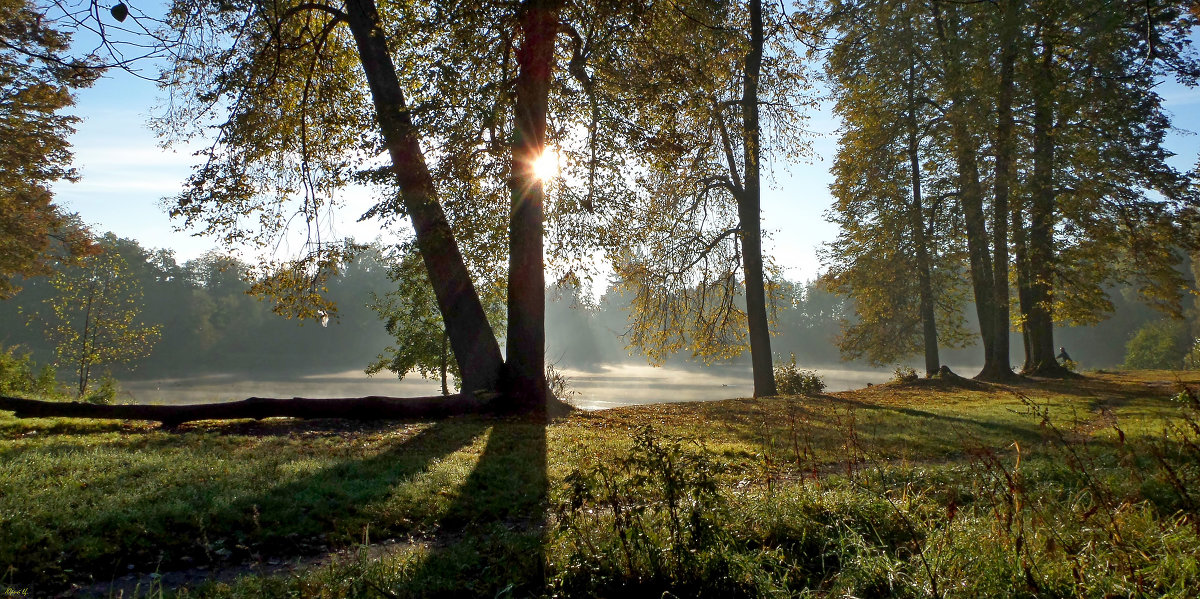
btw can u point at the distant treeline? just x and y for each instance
(210, 324)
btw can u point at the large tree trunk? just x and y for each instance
(471, 337)
(526, 347)
(920, 240)
(359, 408)
(1040, 321)
(1000, 364)
(970, 190)
(749, 213)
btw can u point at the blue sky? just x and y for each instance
(125, 175)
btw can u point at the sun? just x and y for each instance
(545, 167)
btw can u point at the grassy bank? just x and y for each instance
(1088, 487)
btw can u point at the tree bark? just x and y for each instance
(471, 336)
(1022, 267)
(444, 366)
(1000, 364)
(749, 213)
(526, 347)
(1040, 320)
(970, 196)
(920, 240)
(357, 408)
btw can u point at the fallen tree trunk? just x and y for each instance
(358, 408)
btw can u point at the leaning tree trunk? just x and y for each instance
(358, 408)
(1001, 367)
(526, 348)
(749, 213)
(471, 337)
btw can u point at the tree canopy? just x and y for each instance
(37, 80)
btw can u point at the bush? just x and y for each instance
(904, 374)
(791, 380)
(17, 376)
(1192, 360)
(1160, 344)
(104, 393)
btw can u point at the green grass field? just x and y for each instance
(1087, 487)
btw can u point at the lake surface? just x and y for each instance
(607, 387)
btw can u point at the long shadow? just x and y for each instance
(190, 525)
(497, 525)
(1019, 432)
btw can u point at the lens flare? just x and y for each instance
(545, 167)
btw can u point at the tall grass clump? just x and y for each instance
(645, 523)
(1082, 515)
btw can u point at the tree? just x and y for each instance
(487, 121)
(230, 69)
(1099, 186)
(93, 319)
(36, 85)
(699, 94)
(895, 254)
(1161, 344)
(1073, 198)
(411, 317)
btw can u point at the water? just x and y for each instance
(607, 387)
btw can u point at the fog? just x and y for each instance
(606, 386)
(220, 344)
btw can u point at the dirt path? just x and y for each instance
(142, 584)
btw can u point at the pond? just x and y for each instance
(607, 386)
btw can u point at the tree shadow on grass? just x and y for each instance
(200, 523)
(497, 524)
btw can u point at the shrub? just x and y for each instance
(104, 393)
(904, 374)
(17, 376)
(1159, 344)
(1192, 360)
(791, 380)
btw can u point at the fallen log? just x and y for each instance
(356, 408)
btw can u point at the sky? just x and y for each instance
(125, 174)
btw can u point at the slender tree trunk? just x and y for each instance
(1040, 322)
(749, 213)
(920, 240)
(85, 337)
(924, 267)
(1023, 295)
(1001, 366)
(970, 193)
(471, 336)
(445, 366)
(526, 347)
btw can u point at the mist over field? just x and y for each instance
(605, 386)
(220, 344)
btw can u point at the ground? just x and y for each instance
(1081, 487)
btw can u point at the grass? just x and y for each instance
(1086, 487)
